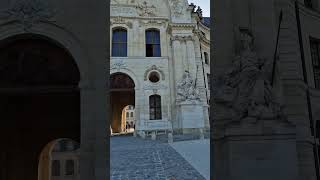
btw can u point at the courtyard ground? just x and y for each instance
(197, 153)
(138, 159)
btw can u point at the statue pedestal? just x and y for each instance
(191, 117)
(249, 151)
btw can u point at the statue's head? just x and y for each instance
(246, 39)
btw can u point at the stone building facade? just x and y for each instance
(155, 45)
(288, 144)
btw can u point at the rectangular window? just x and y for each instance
(153, 48)
(315, 56)
(155, 107)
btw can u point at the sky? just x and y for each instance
(204, 4)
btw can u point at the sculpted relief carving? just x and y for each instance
(187, 89)
(30, 12)
(146, 10)
(245, 88)
(178, 7)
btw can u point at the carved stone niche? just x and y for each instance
(154, 68)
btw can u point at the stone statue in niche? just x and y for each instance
(245, 88)
(186, 89)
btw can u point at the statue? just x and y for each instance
(186, 88)
(245, 88)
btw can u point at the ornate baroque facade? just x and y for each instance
(176, 68)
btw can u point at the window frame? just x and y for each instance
(155, 46)
(55, 172)
(66, 168)
(120, 43)
(155, 111)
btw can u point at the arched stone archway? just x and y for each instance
(40, 101)
(122, 93)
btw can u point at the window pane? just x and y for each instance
(55, 168)
(156, 51)
(69, 167)
(119, 43)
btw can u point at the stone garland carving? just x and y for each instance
(146, 10)
(30, 12)
(187, 89)
(245, 88)
(120, 20)
(152, 68)
(119, 65)
(154, 87)
(178, 7)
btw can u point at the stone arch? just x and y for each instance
(60, 35)
(129, 73)
(42, 112)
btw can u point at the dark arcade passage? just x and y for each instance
(39, 102)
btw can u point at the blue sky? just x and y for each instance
(204, 4)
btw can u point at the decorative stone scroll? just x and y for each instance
(30, 12)
(245, 88)
(187, 89)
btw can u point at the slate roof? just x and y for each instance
(206, 21)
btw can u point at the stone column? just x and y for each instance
(93, 151)
(192, 66)
(87, 134)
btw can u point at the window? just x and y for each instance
(155, 107)
(119, 43)
(69, 167)
(55, 168)
(206, 58)
(154, 77)
(153, 43)
(127, 114)
(315, 56)
(131, 114)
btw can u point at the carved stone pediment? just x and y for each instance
(30, 12)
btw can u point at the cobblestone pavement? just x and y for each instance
(137, 159)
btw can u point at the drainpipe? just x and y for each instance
(313, 131)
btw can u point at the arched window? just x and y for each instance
(69, 167)
(206, 58)
(155, 107)
(119, 43)
(153, 48)
(55, 168)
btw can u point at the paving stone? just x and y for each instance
(136, 158)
